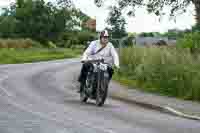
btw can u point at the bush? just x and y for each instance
(115, 43)
(85, 36)
(79, 37)
(51, 44)
(31, 43)
(191, 40)
(18, 43)
(129, 41)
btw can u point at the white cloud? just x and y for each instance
(5, 3)
(143, 22)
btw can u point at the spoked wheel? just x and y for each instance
(83, 96)
(101, 92)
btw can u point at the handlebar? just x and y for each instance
(93, 61)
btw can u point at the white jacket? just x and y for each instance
(109, 53)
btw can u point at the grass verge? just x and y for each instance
(13, 56)
(165, 71)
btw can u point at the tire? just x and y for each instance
(83, 96)
(102, 91)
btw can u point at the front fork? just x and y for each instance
(100, 77)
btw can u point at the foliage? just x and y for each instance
(196, 28)
(117, 23)
(41, 21)
(68, 39)
(129, 41)
(146, 34)
(167, 71)
(34, 19)
(156, 6)
(51, 45)
(191, 40)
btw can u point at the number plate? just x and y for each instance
(103, 67)
(106, 74)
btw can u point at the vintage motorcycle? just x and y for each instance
(96, 83)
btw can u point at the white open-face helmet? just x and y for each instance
(104, 33)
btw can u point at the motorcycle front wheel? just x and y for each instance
(83, 96)
(102, 90)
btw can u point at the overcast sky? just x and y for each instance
(143, 22)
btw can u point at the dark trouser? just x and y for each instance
(86, 67)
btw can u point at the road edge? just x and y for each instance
(164, 109)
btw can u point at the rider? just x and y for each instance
(101, 48)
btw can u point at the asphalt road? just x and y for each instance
(40, 98)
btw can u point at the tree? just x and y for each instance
(117, 23)
(8, 27)
(196, 28)
(20, 3)
(37, 20)
(79, 18)
(65, 3)
(44, 22)
(157, 6)
(146, 34)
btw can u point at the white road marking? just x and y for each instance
(2, 88)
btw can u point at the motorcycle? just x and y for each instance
(96, 84)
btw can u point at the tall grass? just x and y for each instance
(27, 50)
(168, 71)
(13, 56)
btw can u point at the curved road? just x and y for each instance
(40, 98)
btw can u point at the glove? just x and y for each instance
(117, 67)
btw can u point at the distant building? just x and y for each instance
(91, 24)
(149, 41)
